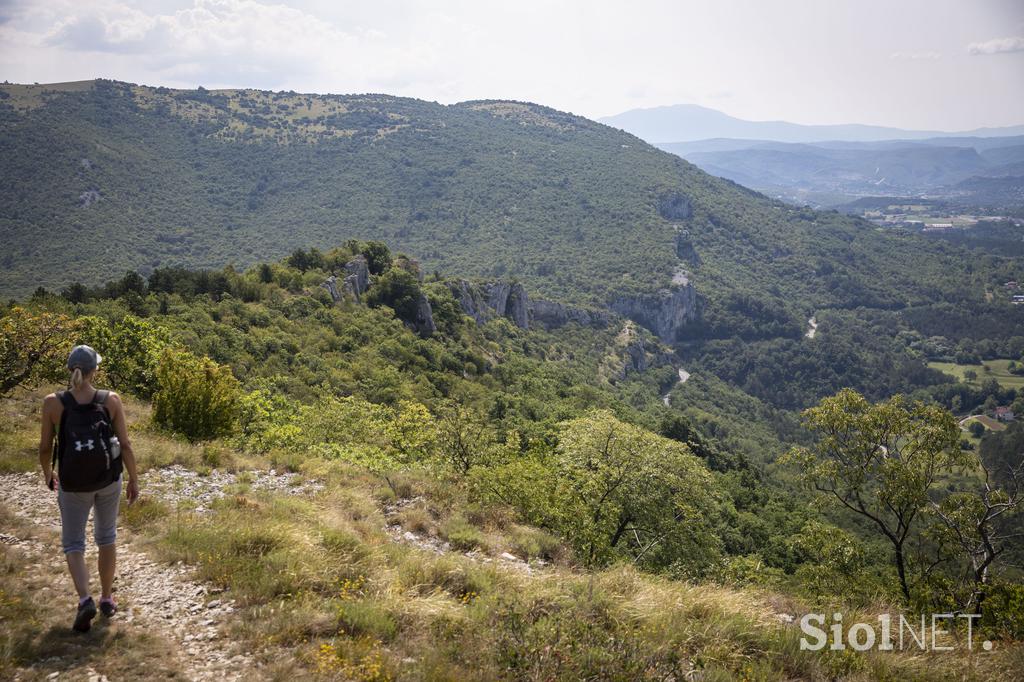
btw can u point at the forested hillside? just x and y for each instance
(113, 176)
(507, 460)
(102, 177)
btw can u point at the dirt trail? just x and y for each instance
(156, 598)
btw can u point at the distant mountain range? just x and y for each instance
(831, 165)
(689, 122)
(828, 173)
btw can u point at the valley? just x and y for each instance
(496, 391)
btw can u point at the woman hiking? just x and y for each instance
(91, 449)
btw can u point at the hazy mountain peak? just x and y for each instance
(689, 122)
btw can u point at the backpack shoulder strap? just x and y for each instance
(99, 399)
(67, 401)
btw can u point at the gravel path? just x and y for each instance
(151, 596)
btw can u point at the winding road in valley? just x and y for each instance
(812, 327)
(683, 376)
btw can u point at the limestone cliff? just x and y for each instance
(510, 300)
(634, 351)
(423, 320)
(551, 315)
(664, 312)
(493, 299)
(357, 279)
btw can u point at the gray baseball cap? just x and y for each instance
(84, 357)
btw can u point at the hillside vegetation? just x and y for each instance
(472, 324)
(101, 177)
(113, 176)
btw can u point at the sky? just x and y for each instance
(922, 64)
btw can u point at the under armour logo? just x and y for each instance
(79, 445)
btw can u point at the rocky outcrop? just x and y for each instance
(636, 354)
(674, 206)
(355, 283)
(509, 299)
(485, 301)
(470, 299)
(423, 319)
(633, 353)
(493, 299)
(89, 197)
(551, 315)
(664, 312)
(357, 279)
(332, 286)
(684, 248)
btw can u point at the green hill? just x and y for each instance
(101, 177)
(113, 176)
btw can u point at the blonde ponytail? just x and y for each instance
(76, 378)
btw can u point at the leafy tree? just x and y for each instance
(464, 437)
(195, 397)
(879, 461)
(398, 290)
(33, 346)
(378, 256)
(624, 490)
(832, 560)
(131, 349)
(977, 429)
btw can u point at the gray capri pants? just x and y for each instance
(74, 513)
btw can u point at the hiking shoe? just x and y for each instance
(107, 607)
(86, 612)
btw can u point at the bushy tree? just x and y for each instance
(464, 438)
(614, 490)
(195, 397)
(131, 349)
(398, 290)
(880, 461)
(628, 491)
(378, 256)
(33, 346)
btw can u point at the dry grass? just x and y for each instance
(321, 582)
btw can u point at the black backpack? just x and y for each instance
(83, 445)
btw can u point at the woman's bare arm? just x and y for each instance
(51, 405)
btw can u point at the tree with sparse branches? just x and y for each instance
(970, 522)
(880, 461)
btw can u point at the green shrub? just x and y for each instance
(1003, 610)
(398, 290)
(533, 543)
(367, 617)
(461, 534)
(196, 397)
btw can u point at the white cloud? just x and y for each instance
(222, 43)
(762, 61)
(998, 46)
(927, 55)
